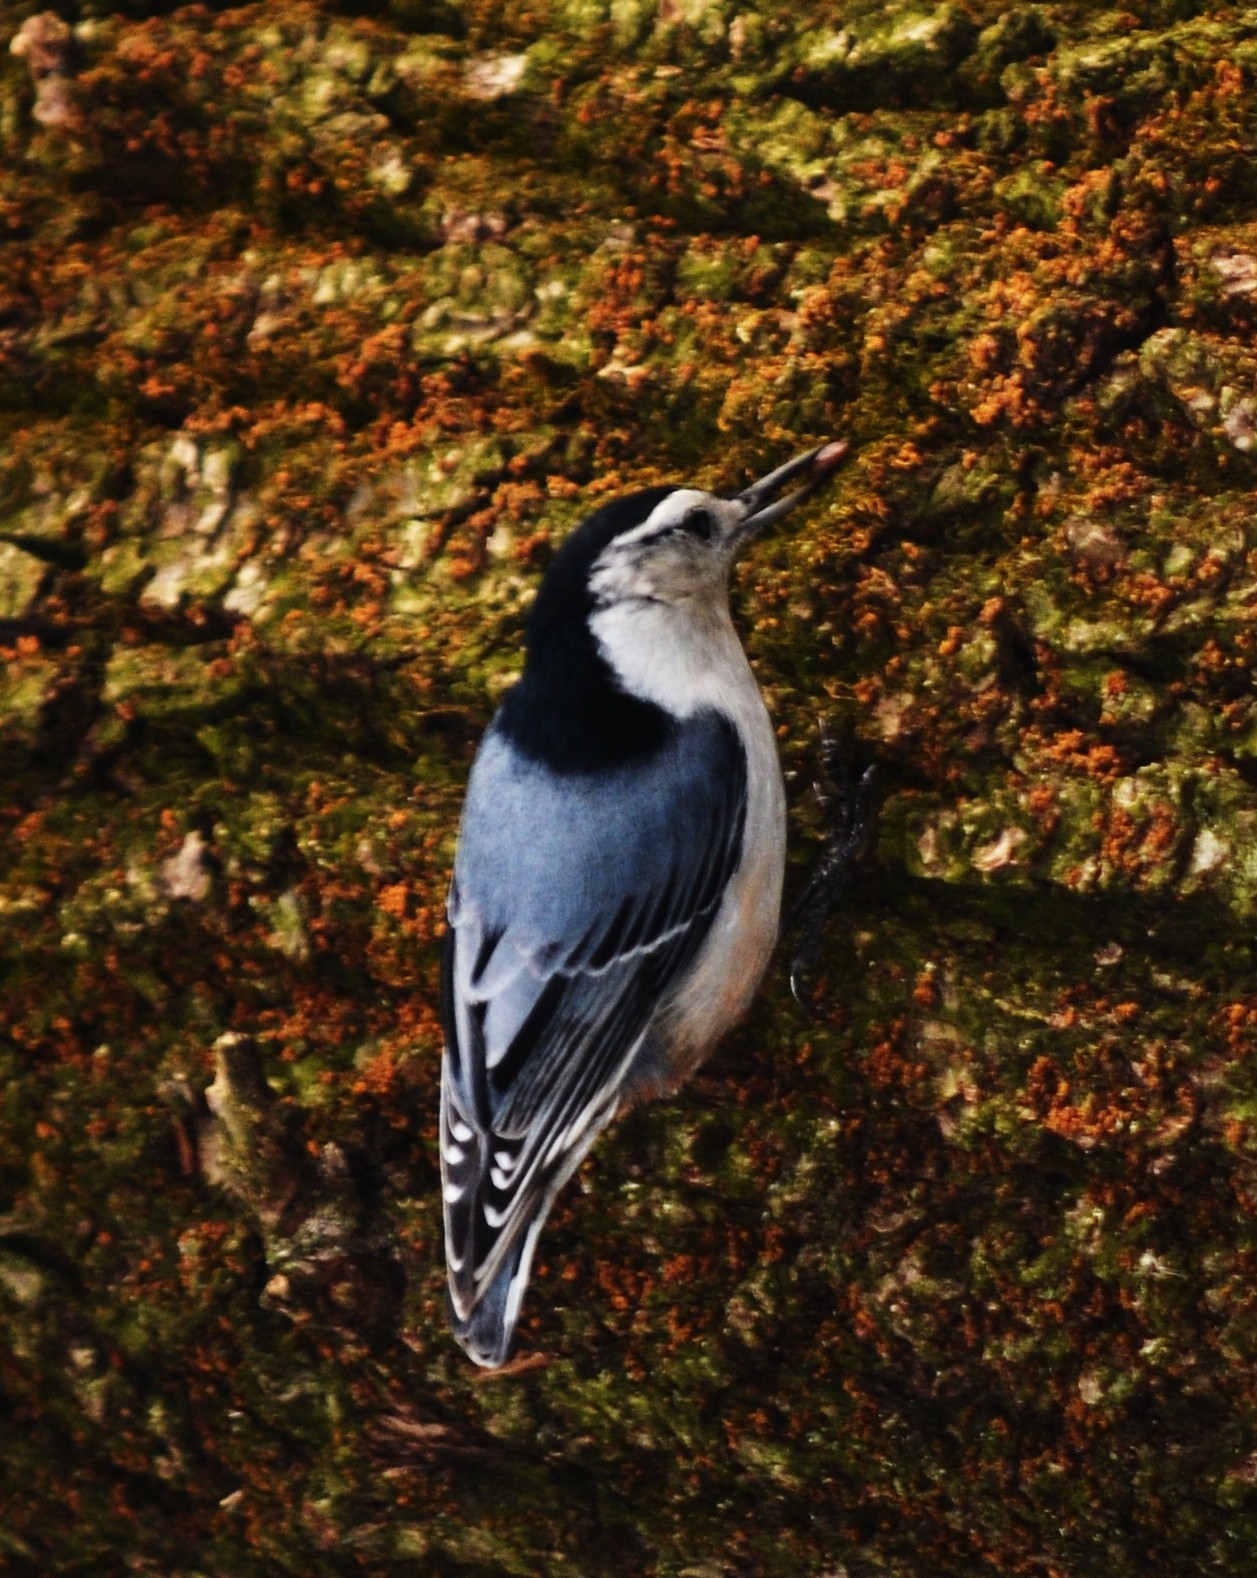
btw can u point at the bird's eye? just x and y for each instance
(698, 523)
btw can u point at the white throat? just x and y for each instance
(681, 656)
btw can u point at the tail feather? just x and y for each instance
(488, 1331)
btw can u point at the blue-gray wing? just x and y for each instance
(577, 903)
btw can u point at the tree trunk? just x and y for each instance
(319, 326)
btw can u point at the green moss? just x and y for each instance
(891, 50)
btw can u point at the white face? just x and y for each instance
(682, 551)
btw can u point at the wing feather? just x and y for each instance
(575, 908)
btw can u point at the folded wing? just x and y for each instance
(576, 906)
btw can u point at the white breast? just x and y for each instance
(686, 657)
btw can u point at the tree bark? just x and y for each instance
(320, 325)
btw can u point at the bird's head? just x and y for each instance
(671, 545)
(625, 594)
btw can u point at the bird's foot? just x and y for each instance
(849, 806)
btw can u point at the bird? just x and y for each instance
(618, 871)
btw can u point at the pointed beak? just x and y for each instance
(764, 501)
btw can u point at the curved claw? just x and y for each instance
(802, 996)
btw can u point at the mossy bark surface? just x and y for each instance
(319, 326)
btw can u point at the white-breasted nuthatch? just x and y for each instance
(617, 884)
